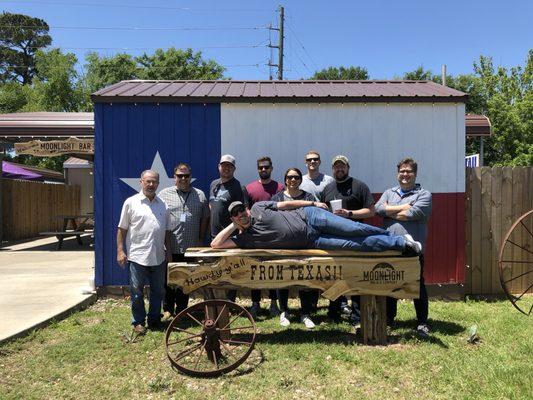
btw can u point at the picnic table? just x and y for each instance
(73, 225)
(224, 332)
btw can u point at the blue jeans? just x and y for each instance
(155, 275)
(331, 232)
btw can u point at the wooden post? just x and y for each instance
(374, 319)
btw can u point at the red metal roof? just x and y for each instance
(278, 91)
(477, 125)
(47, 124)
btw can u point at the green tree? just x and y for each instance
(178, 64)
(105, 71)
(56, 87)
(419, 74)
(13, 97)
(341, 73)
(21, 36)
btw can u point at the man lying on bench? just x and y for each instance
(302, 224)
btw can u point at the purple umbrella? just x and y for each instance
(11, 171)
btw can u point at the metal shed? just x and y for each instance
(139, 124)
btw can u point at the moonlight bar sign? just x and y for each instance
(56, 147)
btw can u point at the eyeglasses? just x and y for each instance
(262, 167)
(292, 178)
(237, 210)
(182, 176)
(311, 159)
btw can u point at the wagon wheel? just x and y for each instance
(516, 263)
(210, 338)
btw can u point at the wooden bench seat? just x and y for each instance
(61, 235)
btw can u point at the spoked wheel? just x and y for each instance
(210, 338)
(516, 263)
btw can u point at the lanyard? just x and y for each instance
(184, 203)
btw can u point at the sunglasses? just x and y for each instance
(317, 159)
(182, 176)
(237, 210)
(292, 178)
(262, 167)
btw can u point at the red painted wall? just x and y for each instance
(445, 250)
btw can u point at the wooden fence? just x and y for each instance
(32, 207)
(495, 198)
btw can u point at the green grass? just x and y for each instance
(86, 357)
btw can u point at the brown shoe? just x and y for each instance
(167, 316)
(139, 329)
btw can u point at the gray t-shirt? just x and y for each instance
(274, 229)
(315, 186)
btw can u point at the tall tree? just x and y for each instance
(104, 71)
(21, 36)
(342, 74)
(178, 64)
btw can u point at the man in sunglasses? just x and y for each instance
(314, 181)
(189, 216)
(301, 224)
(406, 208)
(357, 204)
(263, 189)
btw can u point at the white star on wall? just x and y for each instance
(157, 165)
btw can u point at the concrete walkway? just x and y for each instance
(40, 283)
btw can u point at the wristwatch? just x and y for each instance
(350, 214)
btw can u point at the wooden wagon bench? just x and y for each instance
(335, 272)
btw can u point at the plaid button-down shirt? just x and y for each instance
(186, 211)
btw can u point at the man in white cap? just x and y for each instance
(222, 192)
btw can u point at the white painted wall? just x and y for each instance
(373, 136)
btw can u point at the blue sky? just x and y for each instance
(386, 37)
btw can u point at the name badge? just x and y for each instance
(183, 217)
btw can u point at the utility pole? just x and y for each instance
(280, 30)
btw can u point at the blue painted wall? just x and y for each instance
(127, 138)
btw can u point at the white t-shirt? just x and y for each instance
(146, 222)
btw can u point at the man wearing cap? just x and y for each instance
(357, 204)
(263, 189)
(314, 181)
(222, 192)
(189, 216)
(406, 209)
(301, 224)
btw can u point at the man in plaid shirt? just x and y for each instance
(189, 217)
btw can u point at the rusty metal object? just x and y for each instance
(516, 263)
(210, 338)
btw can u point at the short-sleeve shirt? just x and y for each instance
(315, 186)
(353, 193)
(221, 195)
(271, 228)
(282, 196)
(186, 209)
(258, 191)
(146, 222)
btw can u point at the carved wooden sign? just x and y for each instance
(71, 145)
(336, 276)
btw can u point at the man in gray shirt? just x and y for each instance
(406, 209)
(189, 216)
(314, 181)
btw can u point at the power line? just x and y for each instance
(243, 46)
(136, 28)
(129, 6)
(303, 47)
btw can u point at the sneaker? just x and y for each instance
(422, 330)
(254, 309)
(139, 329)
(308, 322)
(274, 310)
(167, 316)
(411, 243)
(283, 320)
(346, 310)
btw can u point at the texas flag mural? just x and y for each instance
(130, 138)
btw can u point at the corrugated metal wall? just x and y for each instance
(127, 137)
(374, 137)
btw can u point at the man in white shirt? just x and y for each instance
(144, 223)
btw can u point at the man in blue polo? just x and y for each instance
(406, 209)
